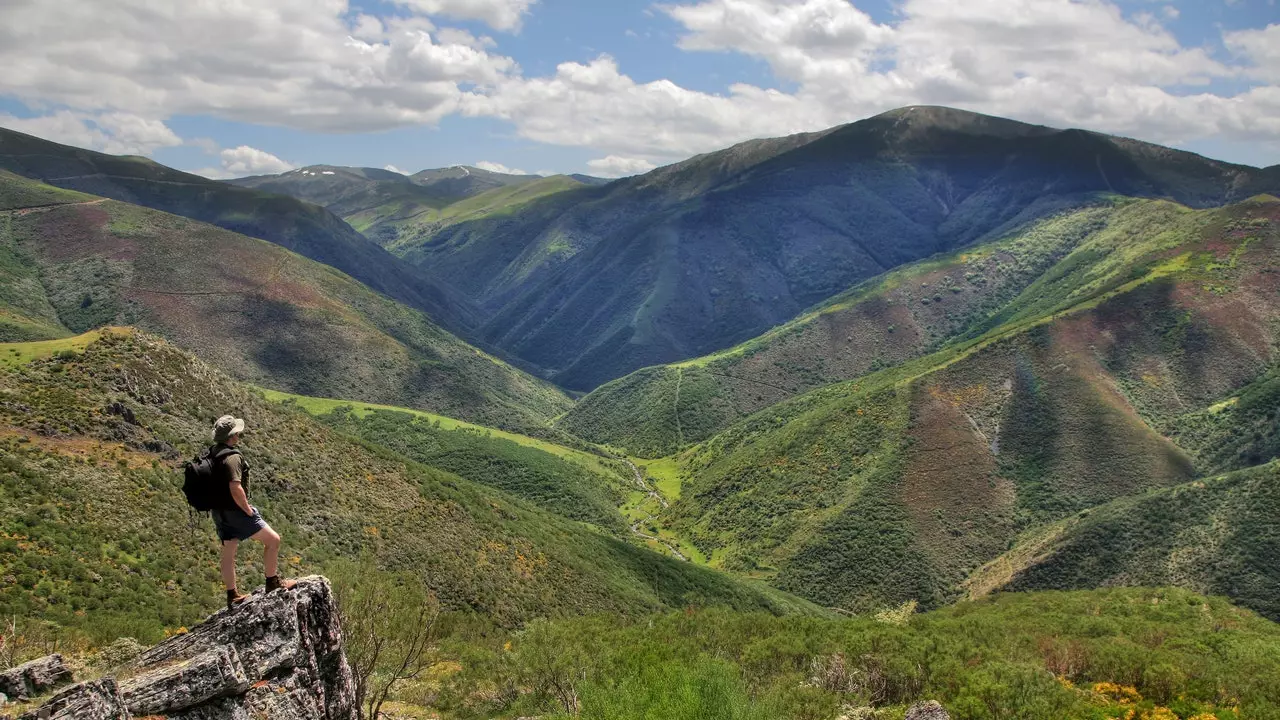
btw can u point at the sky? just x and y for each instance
(228, 88)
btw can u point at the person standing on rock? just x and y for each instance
(233, 516)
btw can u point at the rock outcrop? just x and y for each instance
(931, 710)
(35, 678)
(277, 655)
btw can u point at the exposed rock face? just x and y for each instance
(931, 710)
(277, 656)
(98, 700)
(34, 678)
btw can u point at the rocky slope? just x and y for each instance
(278, 656)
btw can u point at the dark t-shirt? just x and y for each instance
(234, 468)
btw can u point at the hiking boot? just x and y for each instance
(275, 583)
(235, 598)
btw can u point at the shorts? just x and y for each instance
(235, 525)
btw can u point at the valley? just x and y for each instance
(751, 418)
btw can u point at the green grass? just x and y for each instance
(665, 475)
(20, 353)
(325, 406)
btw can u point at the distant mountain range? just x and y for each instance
(590, 283)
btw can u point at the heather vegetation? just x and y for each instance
(1118, 653)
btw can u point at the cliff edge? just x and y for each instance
(277, 655)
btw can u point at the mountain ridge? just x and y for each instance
(303, 227)
(591, 285)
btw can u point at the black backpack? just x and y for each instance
(202, 484)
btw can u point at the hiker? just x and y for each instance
(233, 516)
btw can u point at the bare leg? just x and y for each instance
(270, 540)
(228, 563)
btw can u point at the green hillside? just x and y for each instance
(402, 212)
(95, 535)
(259, 312)
(1219, 536)
(1038, 269)
(307, 229)
(898, 485)
(577, 484)
(707, 253)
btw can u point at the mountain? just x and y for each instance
(1042, 267)
(1157, 326)
(74, 262)
(95, 535)
(402, 212)
(462, 181)
(695, 257)
(305, 228)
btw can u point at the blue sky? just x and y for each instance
(649, 84)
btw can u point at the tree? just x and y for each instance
(389, 626)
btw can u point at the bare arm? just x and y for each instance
(242, 500)
(237, 489)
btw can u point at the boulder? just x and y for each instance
(96, 700)
(931, 710)
(277, 655)
(35, 678)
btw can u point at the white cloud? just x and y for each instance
(1171, 12)
(1261, 47)
(394, 169)
(299, 63)
(617, 166)
(316, 65)
(244, 160)
(499, 168)
(499, 14)
(116, 133)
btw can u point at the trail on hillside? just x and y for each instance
(679, 430)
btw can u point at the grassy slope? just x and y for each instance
(307, 229)
(261, 312)
(898, 485)
(94, 533)
(574, 483)
(25, 312)
(403, 230)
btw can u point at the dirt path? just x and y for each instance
(49, 206)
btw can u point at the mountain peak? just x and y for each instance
(939, 117)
